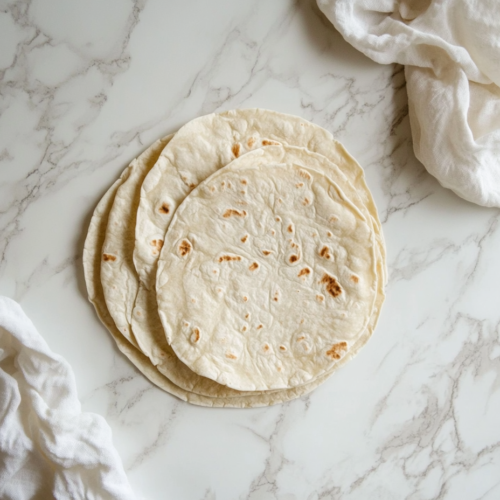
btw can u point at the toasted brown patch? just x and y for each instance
(251, 142)
(244, 329)
(236, 149)
(329, 234)
(336, 351)
(299, 184)
(212, 188)
(247, 315)
(106, 257)
(304, 272)
(332, 286)
(293, 258)
(354, 279)
(278, 219)
(231, 211)
(282, 348)
(245, 299)
(300, 339)
(196, 335)
(164, 209)
(266, 347)
(157, 244)
(260, 326)
(230, 355)
(184, 247)
(254, 266)
(290, 228)
(265, 142)
(320, 298)
(245, 238)
(266, 252)
(325, 253)
(304, 174)
(228, 258)
(334, 218)
(306, 201)
(244, 181)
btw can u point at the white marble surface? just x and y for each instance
(85, 86)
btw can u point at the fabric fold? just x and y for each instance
(48, 447)
(451, 50)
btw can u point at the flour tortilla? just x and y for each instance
(267, 277)
(92, 256)
(209, 143)
(199, 149)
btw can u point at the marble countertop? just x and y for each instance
(85, 86)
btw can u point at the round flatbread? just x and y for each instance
(268, 273)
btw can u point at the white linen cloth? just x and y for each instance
(48, 447)
(451, 49)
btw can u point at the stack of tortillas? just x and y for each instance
(239, 261)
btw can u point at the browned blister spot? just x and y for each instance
(278, 219)
(192, 186)
(244, 329)
(251, 142)
(196, 335)
(306, 201)
(231, 211)
(245, 238)
(266, 142)
(304, 174)
(245, 299)
(325, 253)
(106, 257)
(157, 244)
(254, 266)
(320, 298)
(332, 285)
(260, 326)
(334, 218)
(236, 149)
(228, 258)
(329, 234)
(354, 279)
(304, 272)
(282, 348)
(290, 228)
(212, 188)
(164, 209)
(299, 184)
(247, 315)
(336, 351)
(266, 252)
(184, 247)
(244, 181)
(230, 355)
(280, 368)
(293, 258)
(266, 347)
(300, 339)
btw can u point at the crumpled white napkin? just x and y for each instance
(451, 49)
(48, 447)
